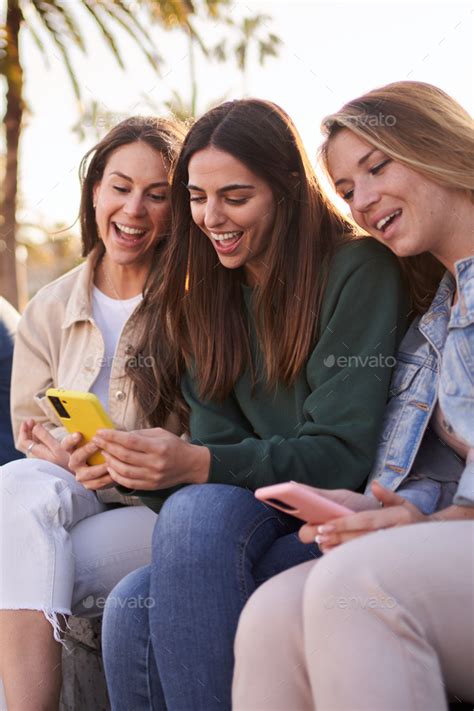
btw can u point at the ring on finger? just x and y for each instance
(29, 449)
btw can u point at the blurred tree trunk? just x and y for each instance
(13, 120)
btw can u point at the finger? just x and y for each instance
(121, 452)
(307, 533)
(386, 496)
(335, 539)
(99, 483)
(71, 441)
(362, 521)
(93, 473)
(130, 440)
(132, 471)
(25, 435)
(82, 454)
(140, 484)
(40, 451)
(155, 432)
(29, 423)
(42, 435)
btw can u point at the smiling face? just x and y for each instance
(233, 207)
(397, 205)
(132, 204)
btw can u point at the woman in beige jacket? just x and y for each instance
(63, 545)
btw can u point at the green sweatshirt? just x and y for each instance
(323, 430)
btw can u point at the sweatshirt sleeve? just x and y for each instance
(363, 319)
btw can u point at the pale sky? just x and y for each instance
(331, 52)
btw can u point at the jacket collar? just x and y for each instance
(463, 311)
(79, 305)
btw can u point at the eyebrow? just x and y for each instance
(152, 185)
(226, 188)
(360, 162)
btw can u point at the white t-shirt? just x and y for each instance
(110, 315)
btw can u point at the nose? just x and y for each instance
(364, 197)
(134, 206)
(214, 215)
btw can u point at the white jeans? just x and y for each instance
(61, 550)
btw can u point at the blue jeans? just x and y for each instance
(169, 628)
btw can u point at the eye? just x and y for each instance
(158, 198)
(347, 196)
(197, 198)
(120, 189)
(236, 201)
(377, 168)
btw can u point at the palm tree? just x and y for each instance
(251, 32)
(63, 30)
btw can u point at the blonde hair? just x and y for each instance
(416, 124)
(425, 129)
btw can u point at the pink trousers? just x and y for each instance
(383, 623)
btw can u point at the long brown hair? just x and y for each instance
(202, 302)
(422, 127)
(155, 382)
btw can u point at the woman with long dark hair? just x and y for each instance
(288, 324)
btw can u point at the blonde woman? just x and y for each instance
(386, 622)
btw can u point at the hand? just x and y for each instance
(91, 477)
(45, 446)
(397, 511)
(152, 458)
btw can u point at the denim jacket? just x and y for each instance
(456, 387)
(408, 451)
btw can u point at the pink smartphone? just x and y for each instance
(301, 501)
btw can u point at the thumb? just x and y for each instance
(385, 496)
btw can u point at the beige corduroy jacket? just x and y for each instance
(59, 345)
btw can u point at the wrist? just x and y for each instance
(201, 463)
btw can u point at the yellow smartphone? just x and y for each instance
(80, 412)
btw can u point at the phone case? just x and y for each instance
(301, 501)
(86, 415)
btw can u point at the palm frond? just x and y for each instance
(57, 12)
(58, 41)
(38, 41)
(109, 38)
(118, 12)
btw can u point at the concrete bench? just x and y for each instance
(84, 686)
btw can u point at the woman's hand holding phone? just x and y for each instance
(94, 476)
(34, 436)
(396, 511)
(152, 458)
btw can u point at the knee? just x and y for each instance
(211, 513)
(266, 614)
(28, 489)
(347, 580)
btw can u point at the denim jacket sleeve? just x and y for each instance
(456, 385)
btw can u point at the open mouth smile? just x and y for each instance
(130, 235)
(384, 223)
(226, 242)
